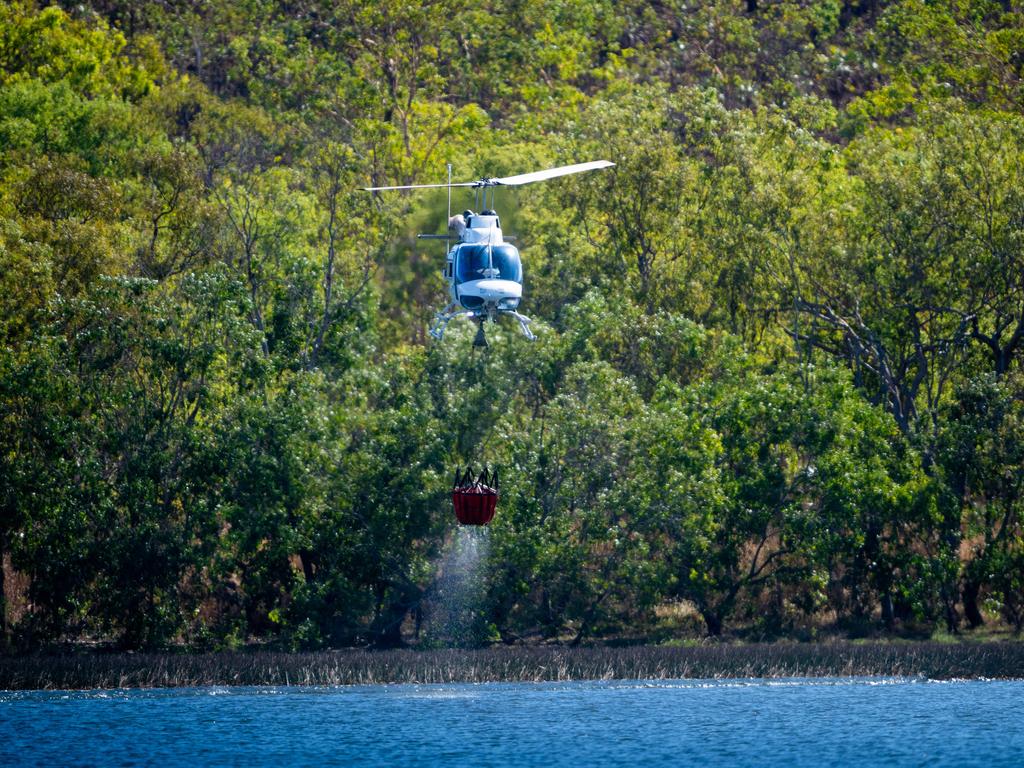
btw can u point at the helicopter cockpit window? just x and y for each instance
(472, 263)
(505, 259)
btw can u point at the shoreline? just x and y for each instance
(931, 660)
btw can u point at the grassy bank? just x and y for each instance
(932, 660)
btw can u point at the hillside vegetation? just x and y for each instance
(777, 388)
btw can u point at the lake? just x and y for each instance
(861, 721)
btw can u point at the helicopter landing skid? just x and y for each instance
(446, 315)
(524, 323)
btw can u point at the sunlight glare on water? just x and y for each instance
(884, 722)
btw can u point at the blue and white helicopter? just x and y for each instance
(483, 270)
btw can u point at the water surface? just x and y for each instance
(885, 722)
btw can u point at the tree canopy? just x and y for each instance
(777, 389)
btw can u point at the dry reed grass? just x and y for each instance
(517, 664)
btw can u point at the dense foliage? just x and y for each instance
(777, 387)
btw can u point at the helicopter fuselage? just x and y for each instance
(484, 273)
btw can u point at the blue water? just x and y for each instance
(735, 723)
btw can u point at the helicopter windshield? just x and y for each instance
(505, 259)
(473, 263)
(502, 263)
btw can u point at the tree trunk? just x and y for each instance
(588, 619)
(969, 595)
(713, 621)
(392, 612)
(389, 634)
(949, 604)
(950, 590)
(888, 615)
(306, 561)
(4, 634)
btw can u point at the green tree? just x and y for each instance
(778, 481)
(569, 557)
(980, 455)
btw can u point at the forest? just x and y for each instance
(777, 387)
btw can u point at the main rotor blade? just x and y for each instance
(422, 186)
(551, 173)
(507, 181)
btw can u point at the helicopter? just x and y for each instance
(483, 269)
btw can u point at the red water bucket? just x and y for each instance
(475, 505)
